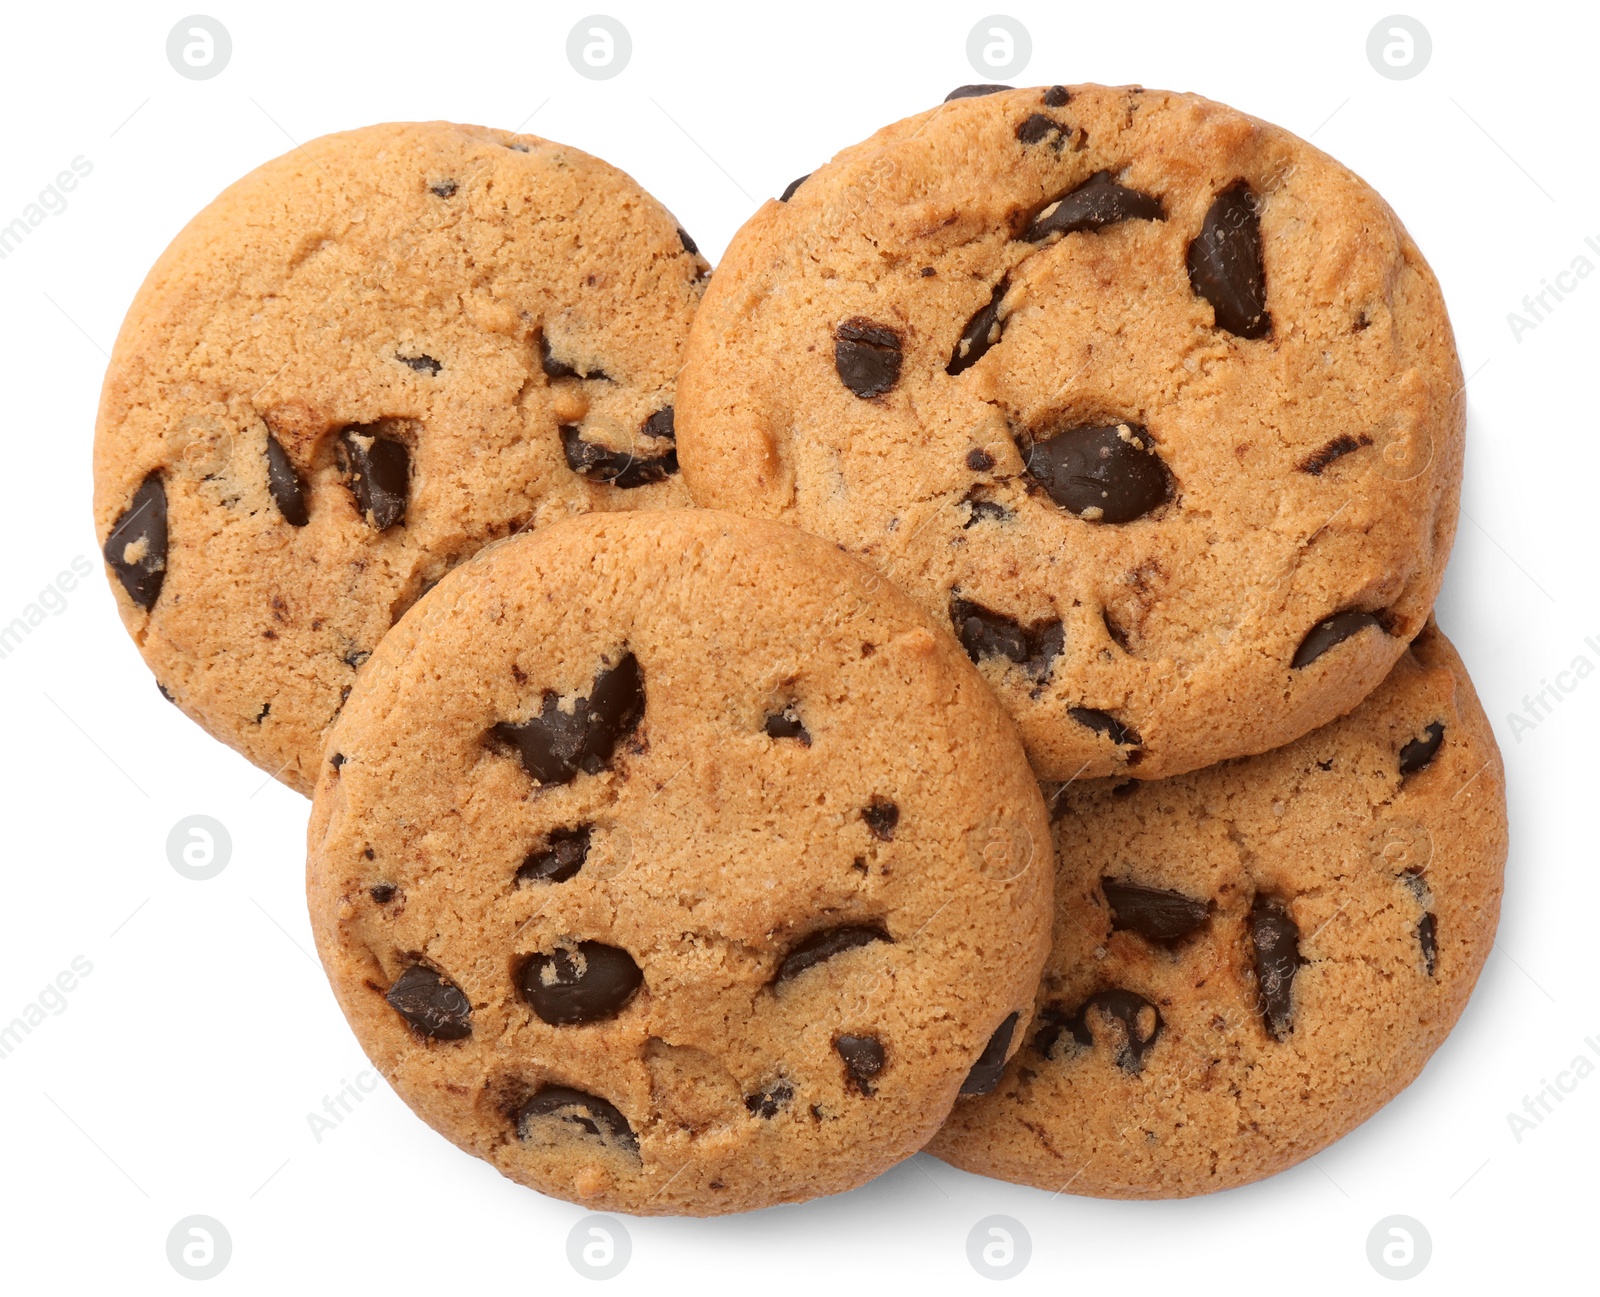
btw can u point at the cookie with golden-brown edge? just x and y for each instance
(1251, 960)
(673, 862)
(360, 363)
(1156, 403)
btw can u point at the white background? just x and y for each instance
(179, 1077)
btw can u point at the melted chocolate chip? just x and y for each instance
(985, 1073)
(355, 658)
(1098, 202)
(689, 244)
(881, 816)
(985, 633)
(435, 1006)
(1056, 97)
(288, 491)
(981, 510)
(867, 356)
(1133, 1022)
(771, 1101)
(824, 945)
(661, 425)
(383, 893)
(1037, 127)
(592, 1116)
(788, 191)
(561, 856)
(982, 332)
(422, 364)
(974, 92)
(443, 188)
(863, 1060)
(1276, 941)
(619, 468)
(1330, 632)
(566, 991)
(337, 760)
(1225, 265)
(136, 549)
(555, 745)
(1153, 912)
(1338, 448)
(1418, 753)
(165, 694)
(1104, 723)
(379, 469)
(786, 725)
(1109, 473)
(554, 368)
(979, 460)
(1428, 939)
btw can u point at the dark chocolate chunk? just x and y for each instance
(619, 468)
(863, 1059)
(1037, 127)
(787, 725)
(1420, 751)
(881, 817)
(1106, 724)
(985, 633)
(770, 1101)
(443, 188)
(1153, 912)
(1117, 632)
(288, 491)
(165, 694)
(1056, 97)
(1109, 473)
(982, 510)
(559, 858)
(383, 893)
(1276, 941)
(591, 1115)
(337, 760)
(985, 1073)
(975, 91)
(661, 425)
(1098, 202)
(1428, 939)
(1332, 631)
(1133, 1022)
(824, 945)
(554, 368)
(379, 469)
(979, 460)
(355, 658)
(689, 244)
(1338, 448)
(982, 332)
(867, 356)
(422, 364)
(136, 549)
(566, 991)
(788, 191)
(1225, 265)
(555, 745)
(434, 1005)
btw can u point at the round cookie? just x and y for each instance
(1155, 403)
(674, 862)
(1251, 960)
(359, 364)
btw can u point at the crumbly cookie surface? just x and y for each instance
(1250, 960)
(1158, 405)
(359, 364)
(674, 862)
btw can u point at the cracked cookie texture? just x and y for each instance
(358, 365)
(1156, 404)
(1251, 960)
(674, 862)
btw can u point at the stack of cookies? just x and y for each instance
(962, 677)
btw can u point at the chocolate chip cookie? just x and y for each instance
(1154, 403)
(359, 364)
(674, 862)
(1251, 960)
